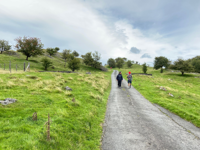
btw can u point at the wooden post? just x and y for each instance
(10, 66)
(48, 128)
(24, 66)
(34, 116)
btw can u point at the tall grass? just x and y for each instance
(76, 115)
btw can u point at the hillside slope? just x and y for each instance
(35, 62)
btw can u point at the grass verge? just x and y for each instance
(76, 124)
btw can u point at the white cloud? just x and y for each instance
(90, 26)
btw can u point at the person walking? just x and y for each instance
(119, 79)
(129, 76)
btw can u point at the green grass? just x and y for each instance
(185, 89)
(75, 125)
(35, 63)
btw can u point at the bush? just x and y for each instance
(46, 63)
(144, 68)
(74, 63)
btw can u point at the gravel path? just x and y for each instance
(133, 123)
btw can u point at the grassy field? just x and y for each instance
(185, 101)
(76, 124)
(35, 63)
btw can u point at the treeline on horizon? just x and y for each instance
(32, 46)
(189, 65)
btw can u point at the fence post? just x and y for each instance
(48, 128)
(10, 66)
(24, 66)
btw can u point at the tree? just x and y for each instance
(74, 63)
(125, 59)
(66, 54)
(46, 63)
(87, 59)
(52, 51)
(75, 53)
(111, 63)
(132, 62)
(129, 63)
(195, 63)
(161, 62)
(120, 63)
(182, 65)
(136, 62)
(144, 68)
(31, 46)
(96, 57)
(4, 46)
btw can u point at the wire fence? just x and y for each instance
(15, 67)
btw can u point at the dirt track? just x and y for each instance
(133, 123)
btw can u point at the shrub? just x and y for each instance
(46, 63)
(144, 68)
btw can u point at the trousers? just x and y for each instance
(119, 83)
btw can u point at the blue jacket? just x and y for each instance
(119, 77)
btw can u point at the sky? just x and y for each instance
(139, 30)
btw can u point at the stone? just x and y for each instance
(8, 101)
(68, 88)
(88, 72)
(162, 88)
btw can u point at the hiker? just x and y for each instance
(119, 79)
(129, 76)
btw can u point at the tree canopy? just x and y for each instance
(182, 65)
(4, 46)
(74, 63)
(31, 46)
(195, 63)
(161, 62)
(129, 63)
(111, 63)
(119, 63)
(75, 53)
(92, 59)
(52, 51)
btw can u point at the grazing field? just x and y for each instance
(185, 98)
(76, 116)
(76, 123)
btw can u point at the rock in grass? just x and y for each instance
(68, 88)
(171, 95)
(162, 88)
(8, 101)
(88, 72)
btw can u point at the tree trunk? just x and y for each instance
(182, 73)
(26, 57)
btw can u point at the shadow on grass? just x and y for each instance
(180, 75)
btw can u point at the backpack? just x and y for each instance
(129, 77)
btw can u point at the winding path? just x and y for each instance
(133, 123)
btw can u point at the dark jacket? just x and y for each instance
(119, 77)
